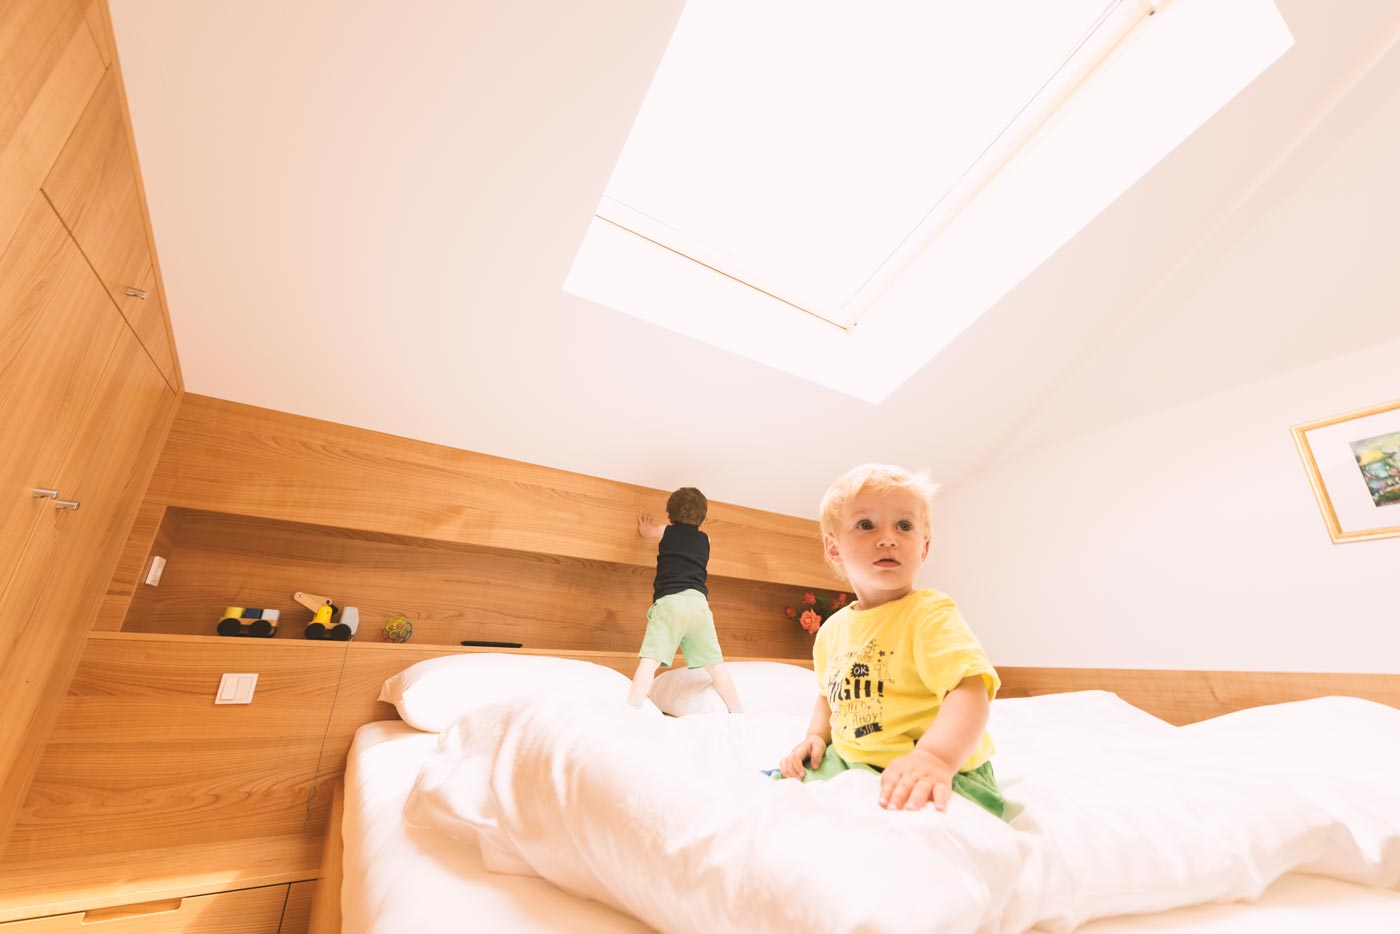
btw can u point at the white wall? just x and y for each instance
(1186, 538)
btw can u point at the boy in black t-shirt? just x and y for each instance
(680, 611)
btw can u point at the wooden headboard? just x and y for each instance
(143, 768)
(140, 715)
(1182, 697)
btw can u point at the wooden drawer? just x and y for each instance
(250, 911)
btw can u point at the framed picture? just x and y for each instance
(1353, 461)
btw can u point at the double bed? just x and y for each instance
(400, 874)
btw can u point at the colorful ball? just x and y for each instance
(396, 629)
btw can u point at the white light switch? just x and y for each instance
(157, 569)
(236, 689)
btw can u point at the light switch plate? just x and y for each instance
(236, 688)
(157, 569)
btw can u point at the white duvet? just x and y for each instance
(671, 821)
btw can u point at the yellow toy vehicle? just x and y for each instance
(249, 621)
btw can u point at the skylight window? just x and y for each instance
(860, 182)
(796, 146)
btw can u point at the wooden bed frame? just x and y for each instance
(1178, 697)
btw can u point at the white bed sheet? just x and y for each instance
(400, 878)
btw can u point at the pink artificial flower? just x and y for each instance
(810, 621)
(840, 598)
(809, 598)
(789, 612)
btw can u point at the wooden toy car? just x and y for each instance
(324, 610)
(249, 621)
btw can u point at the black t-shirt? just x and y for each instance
(680, 561)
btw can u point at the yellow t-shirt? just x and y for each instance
(886, 671)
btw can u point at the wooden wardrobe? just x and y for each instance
(88, 374)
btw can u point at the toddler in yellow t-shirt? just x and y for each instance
(905, 686)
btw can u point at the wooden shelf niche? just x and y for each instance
(450, 591)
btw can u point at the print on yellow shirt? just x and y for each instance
(886, 671)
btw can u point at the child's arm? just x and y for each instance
(647, 527)
(926, 774)
(813, 746)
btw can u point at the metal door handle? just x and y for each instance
(41, 492)
(66, 504)
(136, 293)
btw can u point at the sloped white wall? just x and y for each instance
(1187, 538)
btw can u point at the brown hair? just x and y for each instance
(687, 505)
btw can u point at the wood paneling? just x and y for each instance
(56, 330)
(249, 911)
(99, 880)
(296, 917)
(93, 12)
(150, 534)
(49, 68)
(92, 186)
(237, 459)
(79, 410)
(100, 18)
(85, 412)
(148, 319)
(325, 905)
(141, 757)
(450, 591)
(1188, 696)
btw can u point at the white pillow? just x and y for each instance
(764, 687)
(433, 693)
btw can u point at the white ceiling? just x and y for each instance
(365, 211)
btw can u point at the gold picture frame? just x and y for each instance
(1353, 463)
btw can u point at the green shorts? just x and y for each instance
(977, 785)
(681, 620)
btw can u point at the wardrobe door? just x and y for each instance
(147, 318)
(93, 188)
(57, 329)
(82, 408)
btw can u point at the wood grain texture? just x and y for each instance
(149, 535)
(450, 591)
(77, 405)
(49, 68)
(97, 25)
(1182, 697)
(156, 283)
(102, 880)
(148, 319)
(92, 186)
(296, 917)
(325, 904)
(56, 331)
(84, 409)
(248, 911)
(142, 758)
(238, 459)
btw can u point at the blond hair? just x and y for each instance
(873, 478)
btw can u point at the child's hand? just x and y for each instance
(911, 781)
(813, 747)
(647, 527)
